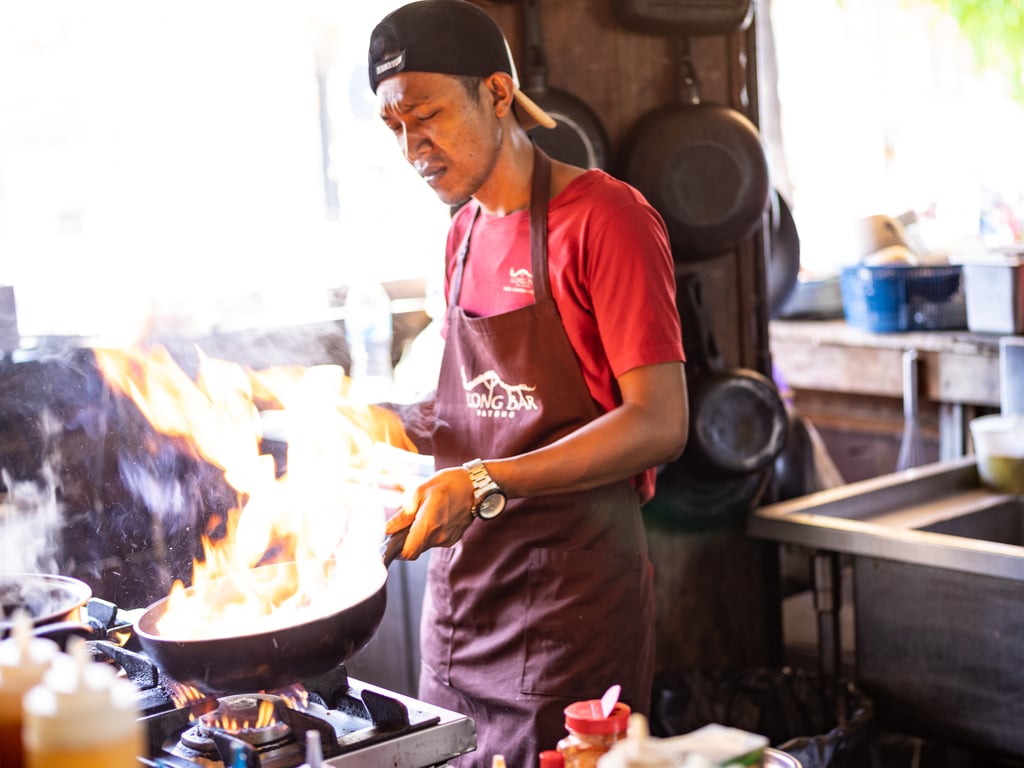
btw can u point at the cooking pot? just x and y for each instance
(578, 138)
(738, 422)
(52, 602)
(271, 659)
(701, 166)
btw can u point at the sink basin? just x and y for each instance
(937, 515)
(937, 568)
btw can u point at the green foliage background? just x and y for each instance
(995, 31)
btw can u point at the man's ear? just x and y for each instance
(502, 91)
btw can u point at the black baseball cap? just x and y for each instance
(450, 37)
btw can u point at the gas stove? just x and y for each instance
(356, 724)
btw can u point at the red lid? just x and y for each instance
(585, 717)
(552, 758)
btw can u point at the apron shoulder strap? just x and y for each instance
(539, 225)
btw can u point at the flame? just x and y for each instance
(184, 695)
(264, 717)
(324, 518)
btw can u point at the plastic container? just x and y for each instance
(590, 734)
(368, 334)
(995, 297)
(892, 298)
(23, 662)
(82, 715)
(999, 447)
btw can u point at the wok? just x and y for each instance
(48, 599)
(701, 165)
(578, 138)
(272, 659)
(738, 421)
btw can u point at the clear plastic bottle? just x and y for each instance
(23, 662)
(368, 334)
(82, 715)
(590, 733)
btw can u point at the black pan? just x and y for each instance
(578, 138)
(783, 268)
(709, 17)
(267, 660)
(689, 499)
(702, 166)
(48, 599)
(738, 422)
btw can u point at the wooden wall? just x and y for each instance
(715, 604)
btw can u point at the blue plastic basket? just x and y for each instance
(890, 298)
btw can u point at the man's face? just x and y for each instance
(449, 137)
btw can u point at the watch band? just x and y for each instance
(484, 488)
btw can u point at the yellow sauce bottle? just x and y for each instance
(83, 715)
(23, 661)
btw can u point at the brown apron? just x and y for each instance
(552, 601)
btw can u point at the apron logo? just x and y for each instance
(497, 400)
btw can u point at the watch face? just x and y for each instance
(491, 506)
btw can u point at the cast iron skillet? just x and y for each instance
(783, 269)
(578, 138)
(51, 601)
(658, 17)
(738, 422)
(701, 165)
(272, 659)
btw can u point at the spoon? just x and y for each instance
(610, 699)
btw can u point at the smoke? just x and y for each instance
(30, 525)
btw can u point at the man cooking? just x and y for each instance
(561, 389)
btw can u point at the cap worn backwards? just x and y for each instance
(449, 37)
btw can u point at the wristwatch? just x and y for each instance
(488, 498)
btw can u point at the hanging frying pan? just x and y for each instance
(702, 166)
(708, 17)
(738, 422)
(688, 499)
(783, 268)
(578, 138)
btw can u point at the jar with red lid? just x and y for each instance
(590, 733)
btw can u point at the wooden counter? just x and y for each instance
(958, 373)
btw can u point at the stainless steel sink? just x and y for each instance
(937, 567)
(937, 515)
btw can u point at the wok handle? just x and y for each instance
(392, 546)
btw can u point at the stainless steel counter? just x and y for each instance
(937, 571)
(936, 515)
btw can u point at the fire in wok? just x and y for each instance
(293, 581)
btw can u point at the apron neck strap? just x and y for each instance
(539, 187)
(539, 224)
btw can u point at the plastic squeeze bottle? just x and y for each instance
(81, 714)
(23, 661)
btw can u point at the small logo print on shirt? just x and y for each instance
(492, 398)
(519, 281)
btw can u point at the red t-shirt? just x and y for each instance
(611, 272)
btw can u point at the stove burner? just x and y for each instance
(356, 724)
(249, 717)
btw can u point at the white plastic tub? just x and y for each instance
(995, 296)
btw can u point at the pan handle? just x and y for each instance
(708, 352)
(535, 63)
(392, 546)
(689, 83)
